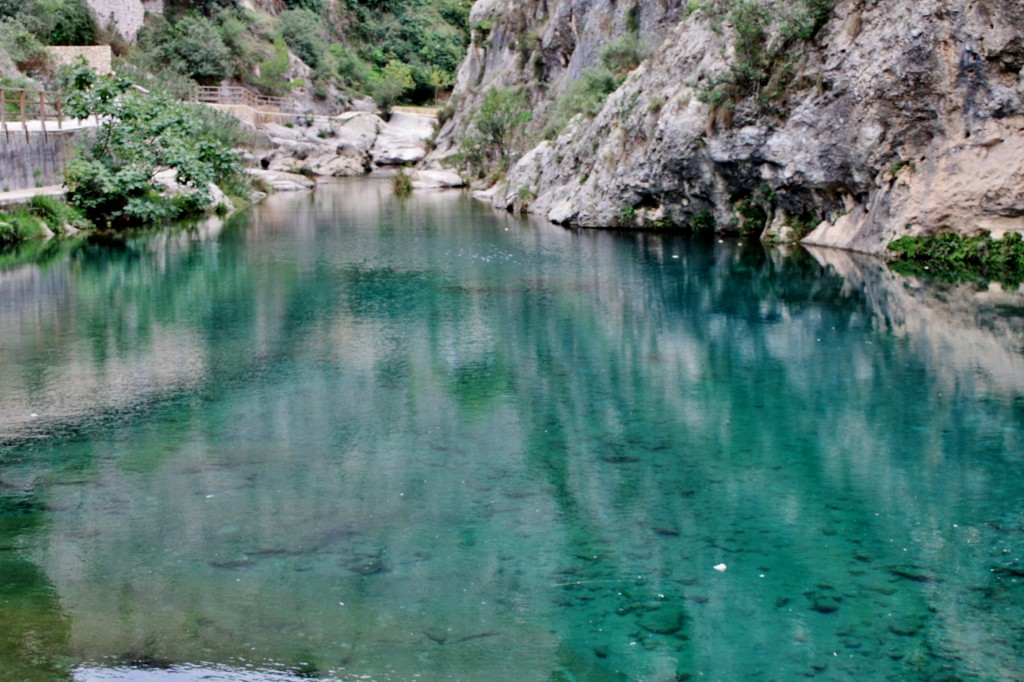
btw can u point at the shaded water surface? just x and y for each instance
(350, 437)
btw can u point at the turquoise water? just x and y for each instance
(352, 437)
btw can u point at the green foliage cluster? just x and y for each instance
(955, 257)
(390, 84)
(27, 222)
(395, 51)
(193, 46)
(53, 22)
(19, 226)
(427, 36)
(403, 183)
(303, 32)
(766, 47)
(56, 214)
(494, 128)
(623, 54)
(703, 222)
(587, 94)
(23, 47)
(111, 178)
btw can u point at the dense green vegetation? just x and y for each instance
(955, 257)
(767, 48)
(28, 222)
(494, 128)
(391, 50)
(112, 179)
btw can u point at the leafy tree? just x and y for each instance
(493, 128)
(73, 24)
(390, 84)
(195, 47)
(301, 29)
(111, 176)
(24, 48)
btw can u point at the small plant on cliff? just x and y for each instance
(767, 42)
(703, 222)
(524, 197)
(623, 54)
(494, 129)
(585, 96)
(111, 177)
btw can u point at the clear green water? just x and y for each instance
(351, 437)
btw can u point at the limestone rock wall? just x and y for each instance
(899, 117)
(126, 15)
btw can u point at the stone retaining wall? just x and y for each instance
(99, 57)
(34, 162)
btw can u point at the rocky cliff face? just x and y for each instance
(878, 120)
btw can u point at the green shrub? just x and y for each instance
(585, 96)
(623, 55)
(18, 226)
(403, 183)
(766, 47)
(422, 35)
(194, 46)
(957, 257)
(352, 69)
(56, 213)
(303, 32)
(73, 24)
(24, 48)
(110, 177)
(390, 84)
(703, 222)
(494, 128)
(314, 6)
(633, 19)
(273, 69)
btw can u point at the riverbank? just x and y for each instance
(20, 197)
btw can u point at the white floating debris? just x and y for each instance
(209, 497)
(33, 415)
(720, 567)
(675, 255)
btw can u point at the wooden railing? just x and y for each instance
(239, 96)
(18, 107)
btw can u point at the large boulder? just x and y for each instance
(436, 179)
(282, 182)
(403, 139)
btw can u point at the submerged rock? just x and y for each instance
(665, 620)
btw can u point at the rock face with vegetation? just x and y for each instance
(847, 123)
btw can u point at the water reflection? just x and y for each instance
(348, 435)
